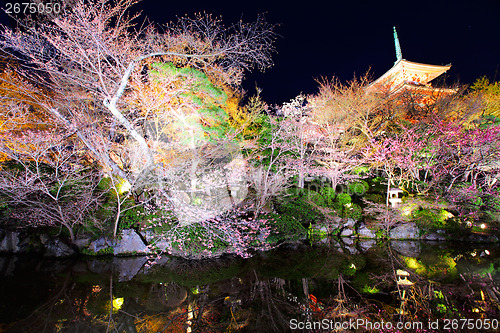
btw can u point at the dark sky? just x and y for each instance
(345, 38)
(341, 39)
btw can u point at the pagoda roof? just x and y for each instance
(422, 89)
(404, 72)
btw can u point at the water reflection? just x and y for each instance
(291, 287)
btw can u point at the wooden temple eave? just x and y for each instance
(422, 89)
(409, 72)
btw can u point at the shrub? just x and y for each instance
(343, 199)
(329, 195)
(284, 227)
(196, 240)
(315, 197)
(358, 188)
(361, 170)
(131, 217)
(302, 211)
(492, 201)
(101, 252)
(431, 219)
(352, 211)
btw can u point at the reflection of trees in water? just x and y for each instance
(272, 310)
(254, 296)
(68, 302)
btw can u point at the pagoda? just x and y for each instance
(410, 78)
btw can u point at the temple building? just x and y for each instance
(410, 80)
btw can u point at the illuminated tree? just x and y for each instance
(97, 76)
(347, 114)
(88, 56)
(489, 93)
(45, 183)
(345, 117)
(196, 151)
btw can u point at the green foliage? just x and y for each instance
(346, 208)
(329, 195)
(381, 233)
(104, 184)
(361, 170)
(363, 282)
(343, 199)
(315, 234)
(248, 120)
(433, 265)
(437, 219)
(265, 128)
(468, 194)
(376, 198)
(300, 209)
(376, 185)
(158, 221)
(315, 197)
(490, 92)
(483, 84)
(284, 227)
(370, 290)
(492, 201)
(5, 210)
(101, 252)
(353, 211)
(132, 217)
(428, 219)
(204, 94)
(195, 237)
(358, 188)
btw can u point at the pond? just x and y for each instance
(301, 287)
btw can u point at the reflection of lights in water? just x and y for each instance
(483, 226)
(117, 304)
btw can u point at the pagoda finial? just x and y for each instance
(399, 55)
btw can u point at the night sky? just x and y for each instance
(346, 38)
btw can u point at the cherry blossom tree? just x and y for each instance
(300, 135)
(45, 182)
(93, 73)
(347, 113)
(400, 155)
(344, 117)
(464, 154)
(89, 57)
